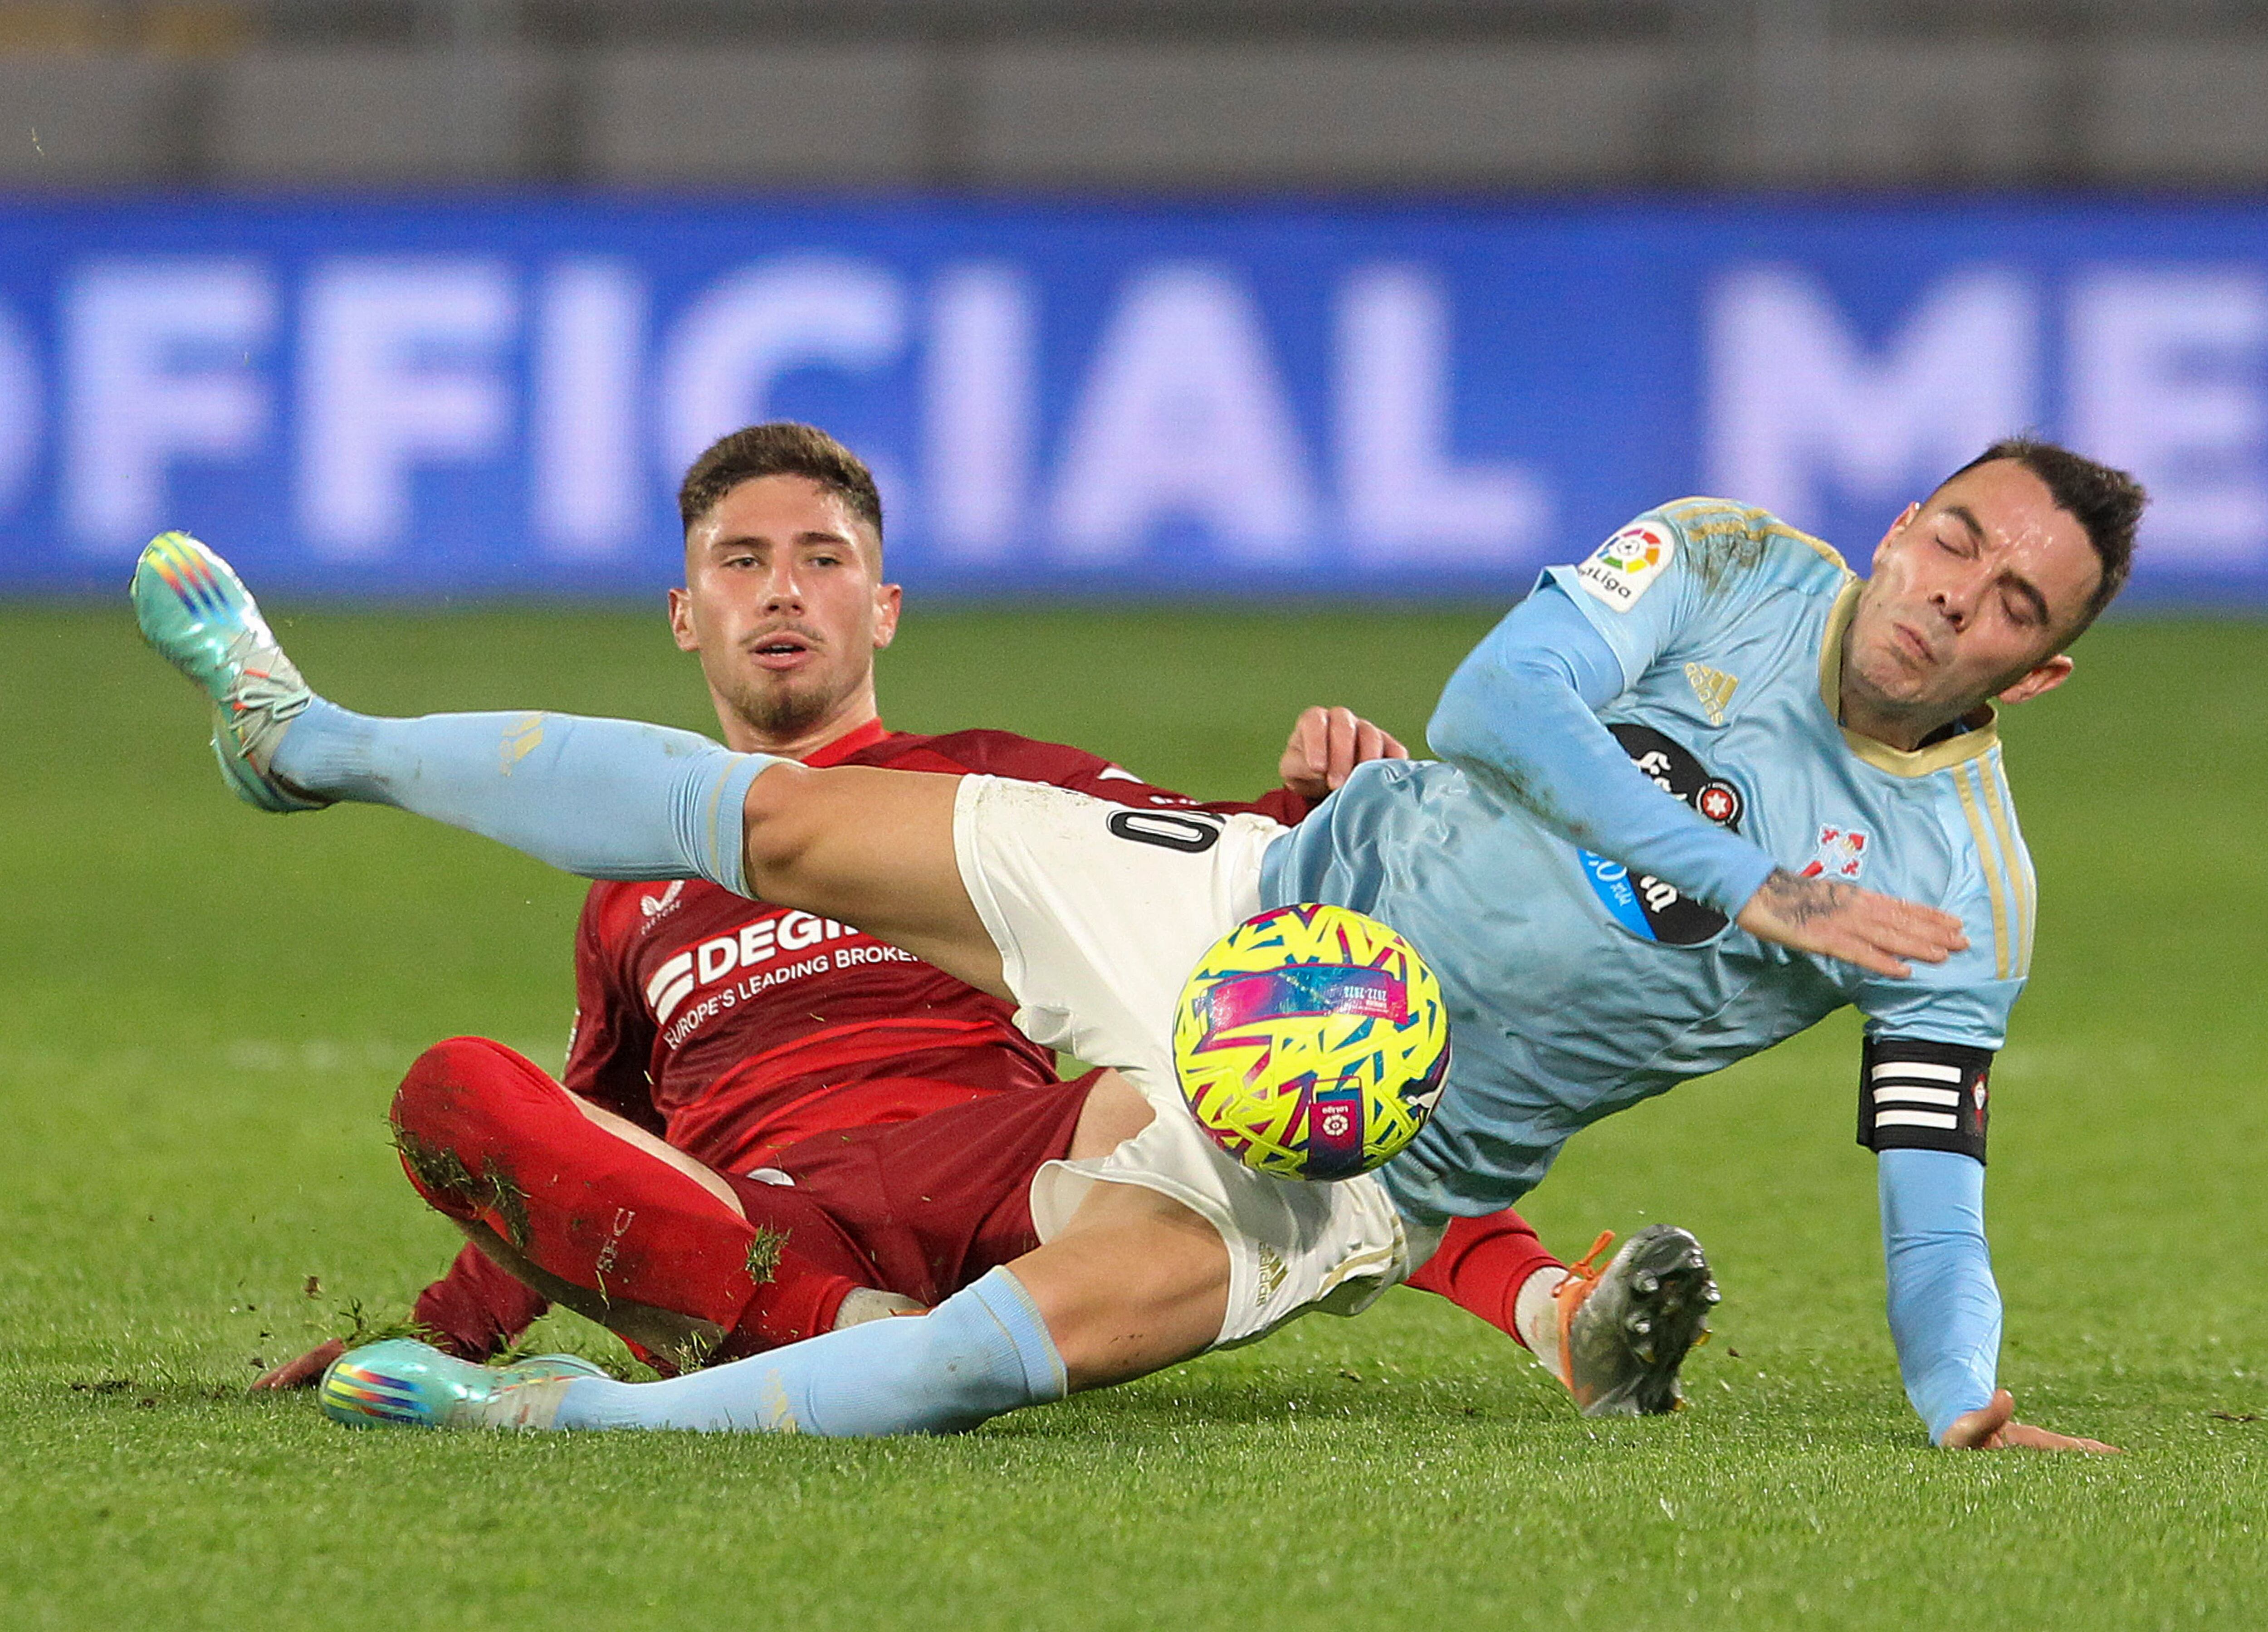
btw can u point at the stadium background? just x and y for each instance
(1198, 330)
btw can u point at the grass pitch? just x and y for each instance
(205, 1010)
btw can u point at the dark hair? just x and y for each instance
(780, 447)
(2107, 503)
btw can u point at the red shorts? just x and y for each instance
(922, 1208)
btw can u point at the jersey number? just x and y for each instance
(1192, 836)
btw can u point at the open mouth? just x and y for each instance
(781, 651)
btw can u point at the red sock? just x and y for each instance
(479, 1307)
(813, 1265)
(486, 1137)
(1482, 1264)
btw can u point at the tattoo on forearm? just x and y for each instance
(1794, 900)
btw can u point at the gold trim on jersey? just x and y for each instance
(1979, 739)
(1731, 518)
(1974, 758)
(2023, 886)
(2008, 880)
(1989, 858)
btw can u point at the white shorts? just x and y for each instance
(1099, 913)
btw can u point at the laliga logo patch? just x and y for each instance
(1841, 855)
(1620, 569)
(1334, 1133)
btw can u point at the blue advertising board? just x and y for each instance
(484, 395)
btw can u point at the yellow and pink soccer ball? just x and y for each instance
(1311, 1042)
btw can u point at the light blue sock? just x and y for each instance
(605, 798)
(982, 1351)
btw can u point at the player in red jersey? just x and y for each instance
(719, 1038)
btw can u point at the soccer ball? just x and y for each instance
(1311, 1043)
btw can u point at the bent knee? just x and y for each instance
(453, 1083)
(464, 1111)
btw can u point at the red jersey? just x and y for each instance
(733, 1028)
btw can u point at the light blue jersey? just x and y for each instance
(1577, 987)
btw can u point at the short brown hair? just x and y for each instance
(780, 447)
(2106, 503)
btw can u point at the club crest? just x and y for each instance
(1841, 855)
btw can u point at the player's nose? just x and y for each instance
(1955, 597)
(782, 593)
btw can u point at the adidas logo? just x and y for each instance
(1714, 688)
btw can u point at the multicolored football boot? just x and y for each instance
(198, 614)
(1624, 1330)
(402, 1383)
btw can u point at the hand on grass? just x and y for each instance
(1995, 1428)
(1326, 745)
(304, 1373)
(1835, 920)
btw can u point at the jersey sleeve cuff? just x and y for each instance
(1744, 873)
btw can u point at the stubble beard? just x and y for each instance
(1888, 687)
(781, 711)
(1877, 678)
(1881, 662)
(1884, 677)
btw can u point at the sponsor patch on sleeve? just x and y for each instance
(1619, 569)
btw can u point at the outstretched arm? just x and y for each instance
(1519, 717)
(1944, 1306)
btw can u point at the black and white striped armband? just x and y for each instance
(1917, 1095)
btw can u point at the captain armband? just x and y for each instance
(1917, 1095)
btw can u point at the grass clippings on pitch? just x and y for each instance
(206, 1011)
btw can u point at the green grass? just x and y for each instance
(202, 1012)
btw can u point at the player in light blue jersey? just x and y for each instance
(1709, 642)
(1695, 794)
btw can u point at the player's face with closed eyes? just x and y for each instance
(1972, 594)
(784, 602)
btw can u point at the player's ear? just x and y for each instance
(1905, 516)
(889, 599)
(2042, 678)
(681, 621)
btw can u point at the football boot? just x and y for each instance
(402, 1383)
(198, 614)
(1624, 1330)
